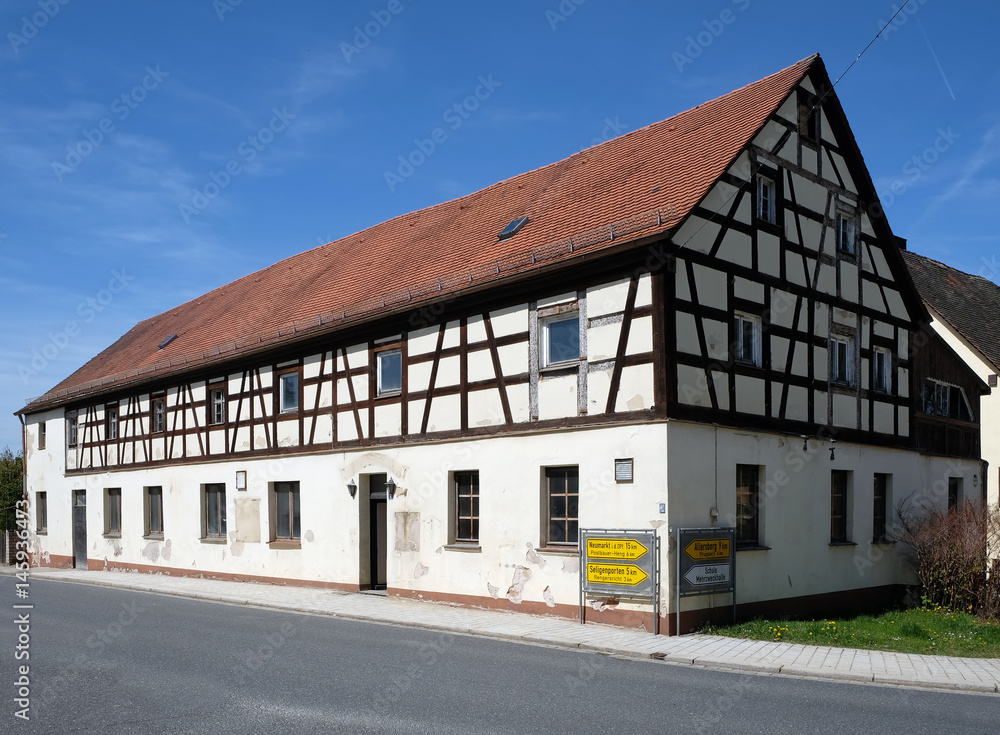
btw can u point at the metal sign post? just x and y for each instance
(620, 562)
(706, 564)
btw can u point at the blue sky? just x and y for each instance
(150, 152)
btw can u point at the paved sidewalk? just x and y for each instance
(840, 664)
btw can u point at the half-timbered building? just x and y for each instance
(705, 322)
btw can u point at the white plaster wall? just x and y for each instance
(795, 514)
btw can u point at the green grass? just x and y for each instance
(937, 632)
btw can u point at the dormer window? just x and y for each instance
(941, 399)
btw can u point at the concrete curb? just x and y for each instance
(693, 659)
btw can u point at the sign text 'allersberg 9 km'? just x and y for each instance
(705, 561)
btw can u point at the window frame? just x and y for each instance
(216, 490)
(954, 493)
(944, 390)
(471, 539)
(840, 527)
(766, 185)
(752, 474)
(42, 435)
(885, 384)
(282, 377)
(72, 430)
(148, 504)
(113, 511)
(808, 118)
(41, 512)
(158, 418)
(570, 521)
(289, 492)
(881, 499)
(835, 342)
(544, 331)
(217, 402)
(379, 371)
(740, 317)
(111, 422)
(847, 240)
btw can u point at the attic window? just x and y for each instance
(513, 228)
(167, 341)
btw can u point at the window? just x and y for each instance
(746, 345)
(880, 508)
(41, 512)
(217, 406)
(882, 369)
(41, 435)
(560, 339)
(159, 415)
(390, 372)
(838, 506)
(289, 392)
(287, 522)
(562, 491)
(466, 489)
(214, 510)
(808, 117)
(113, 511)
(72, 430)
(747, 505)
(112, 422)
(845, 233)
(765, 200)
(941, 399)
(841, 361)
(154, 511)
(954, 492)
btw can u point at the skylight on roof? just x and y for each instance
(513, 228)
(167, 341)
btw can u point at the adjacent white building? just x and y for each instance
(706, 322)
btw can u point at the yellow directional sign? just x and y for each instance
(626, 574)
(625, 549)
(708, 548)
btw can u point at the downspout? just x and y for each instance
(24, 458)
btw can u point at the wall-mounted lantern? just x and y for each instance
(352, 488)
(390, 489)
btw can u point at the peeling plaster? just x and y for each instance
(532, 556)
(636, 403)
(521, 577)
(152, 551)
(420, 570)
(494, 591)
(236, 548)
(310, 536)
(572, 565)
(549, 598)
(165, 551)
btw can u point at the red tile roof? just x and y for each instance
(645, 181)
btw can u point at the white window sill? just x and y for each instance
(466, 547)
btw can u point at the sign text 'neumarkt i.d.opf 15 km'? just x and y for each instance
(621, 562)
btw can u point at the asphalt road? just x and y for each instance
(109, 661)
